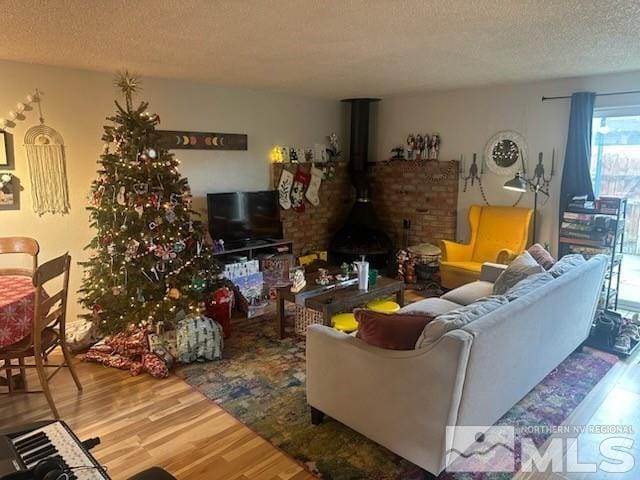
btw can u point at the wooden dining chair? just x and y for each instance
(25, 245)
(49, 322)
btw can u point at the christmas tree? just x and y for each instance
(149, 260)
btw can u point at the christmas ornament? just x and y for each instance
(141, 188)
(179, 246)
(139, 208)
(312, 193)
(132, 247)
(174, 294)
(174, 198)
(154, 199)
(300, 181)
(120, 197)
(151, 153)
(170, 216)
(198, 284)
(284, 189)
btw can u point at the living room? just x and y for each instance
(230, 259)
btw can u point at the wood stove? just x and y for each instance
(361, 234)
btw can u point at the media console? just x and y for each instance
(252, 248)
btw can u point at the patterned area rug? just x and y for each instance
(261, 381)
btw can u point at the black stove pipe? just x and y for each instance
(359, 145)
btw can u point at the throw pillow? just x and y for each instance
(528, 285)
(394, 331)
(523, 266)
(458, 318)
(469, 293)
(433, 306)
(566, 263)
(542, 256)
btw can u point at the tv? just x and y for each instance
(242, 217)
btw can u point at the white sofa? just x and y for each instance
(404, 400)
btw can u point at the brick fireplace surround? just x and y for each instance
(424, 192)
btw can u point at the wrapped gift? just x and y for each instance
(199, 338)
(219, 306)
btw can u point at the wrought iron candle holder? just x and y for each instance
(539, 178)
(474, 174)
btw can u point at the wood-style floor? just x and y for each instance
(144, 422)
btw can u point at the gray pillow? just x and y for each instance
(523, 266)
(469, 293)
(566, 263)
(458, 318)
(528, 284)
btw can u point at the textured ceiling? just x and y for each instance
(331, 48)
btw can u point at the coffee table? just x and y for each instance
(335, 298)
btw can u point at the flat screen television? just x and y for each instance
(241, 217)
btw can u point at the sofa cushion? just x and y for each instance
(394, 331)
(434, 305)
(542, 256)
(523, 266)
(469, 293)
(528, 284)
(458, 318)
(566, 263)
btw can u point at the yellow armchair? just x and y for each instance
(496, 234)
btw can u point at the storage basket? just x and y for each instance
(305, 317)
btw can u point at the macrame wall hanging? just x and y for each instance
(47, 168)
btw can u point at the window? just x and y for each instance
(615, 171)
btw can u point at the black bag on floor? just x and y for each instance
(607, 328)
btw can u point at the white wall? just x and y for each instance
(76, 102)
(466, 119)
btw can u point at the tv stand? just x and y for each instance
(252, 248)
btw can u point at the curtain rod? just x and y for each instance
(597, 95)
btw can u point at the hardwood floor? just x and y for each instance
(614, 401)
(144, 422)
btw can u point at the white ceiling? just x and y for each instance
(331, 48)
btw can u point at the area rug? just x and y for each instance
(261, 382)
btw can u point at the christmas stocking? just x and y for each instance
(314, 187)
(284, 189)
(300, 183)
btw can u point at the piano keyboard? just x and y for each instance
(55, 440)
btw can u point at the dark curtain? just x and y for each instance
(576, 179)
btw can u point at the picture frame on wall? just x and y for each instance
(4, 155)
(9, 191)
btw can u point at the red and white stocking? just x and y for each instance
(300, 182)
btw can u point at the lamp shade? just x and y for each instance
(517, 184)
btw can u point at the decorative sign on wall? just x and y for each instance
(179, 140)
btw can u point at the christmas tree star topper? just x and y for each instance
(129, 84)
